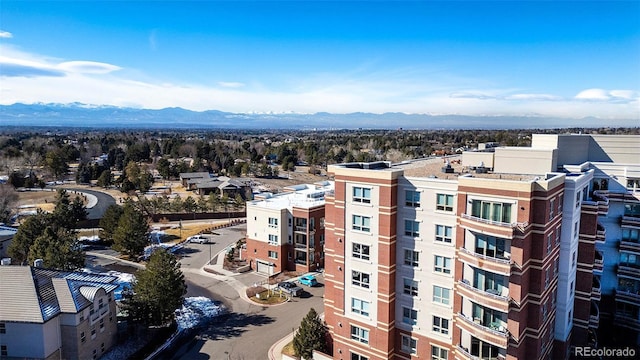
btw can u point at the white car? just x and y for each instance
(200, 239)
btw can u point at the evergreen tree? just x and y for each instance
(58, 248)
(109, 222)
(30, 229)
(158, 290)
(104, 180)
(132, 232)
(311, 335)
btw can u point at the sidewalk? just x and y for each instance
(275, 351)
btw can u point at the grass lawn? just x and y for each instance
(272, 299)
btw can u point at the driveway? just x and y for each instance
(249, 330)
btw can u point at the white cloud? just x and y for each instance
(42, 79)
(87, 67)
(5, 35)
(231, 84)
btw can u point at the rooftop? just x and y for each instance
(304, 196)
(433, 168)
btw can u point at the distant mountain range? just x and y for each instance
(90, 116)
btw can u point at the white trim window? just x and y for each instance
(273, 254)
(409, 344)
(361, 223)
(411, 257)
(360, 307)
(359, 334)
(410, 287)
(444, 202)
(355, 356)
(273, 239)
(441, 295)
(412, 198)
(361, 195)
(440, 325)
(273, 222)
(444, 233)
(361, 251)
(412, 228)
(442, 264)
(360, 279)
(409, 316)
(438, 353)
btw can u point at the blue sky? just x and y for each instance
(565, 59)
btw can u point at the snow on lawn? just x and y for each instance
(197, 311)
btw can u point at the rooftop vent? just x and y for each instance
(447, 169)
(38, 263)
(5, 261)
(480, 169)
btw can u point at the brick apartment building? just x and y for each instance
(286, 231)
(508, 253)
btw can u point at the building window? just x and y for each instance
(101, 324)
(578, 199)
(83, 337)
(440, 325)
(273, 239)
(490, 246)
(322, 222)
(412, 198)
(630, 235)
(3, 350)
(442, 264)
(411, 257)
(361, 223)
(361, 251)
(444, 202)
(412, 228)
(558, 234)
(441, 295)
(556, 266)
(361, 195)
(273, 222)
(102, 347)
(93, 333)
(438, 353)
(444, 233)
(549, 242)
(575, 229)
(489, 282)
(95, 353)
(571, 289)
(547, 278)
(552, 208)
(355, 356)
(359, 307)
(409, 316)
(360, 279)
(289, 255)
(573, 259)
(410, 287)
(569, 318)
(493, 211)
(359, 334)
(273, 254)
(409, 344)
(3, 328)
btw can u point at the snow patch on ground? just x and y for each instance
(197, 311)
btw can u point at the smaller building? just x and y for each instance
(285, 232)
(189, 179)
(6, 235)
(50, 314)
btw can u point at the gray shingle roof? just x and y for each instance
(29, 294)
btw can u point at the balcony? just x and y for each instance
(464, 354)
(494, 264)
(489, 298)
(596, 289)
(491, 227)
(494, 333)
(598, 261)
(627, 320)
(628, 295)
(594, 317)
(630, 245)
(299, 228)
(629, 270)
(600, 234)
(602, 202)
(300, 245)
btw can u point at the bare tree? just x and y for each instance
(8, 200)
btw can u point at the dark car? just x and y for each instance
(290, 288)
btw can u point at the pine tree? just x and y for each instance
(109, 223)
(311, 335)
(132, 232)
(30, 229)
(158, 290)
(58, 248)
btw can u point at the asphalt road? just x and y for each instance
(249, 330)
(104, 201)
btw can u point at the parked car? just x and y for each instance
(200, 239)
(290, 288)
(308, 280)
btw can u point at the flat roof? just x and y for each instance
(309, 196)
(433, 168)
